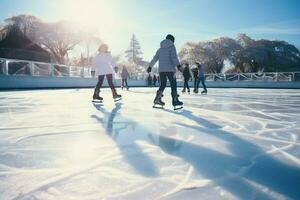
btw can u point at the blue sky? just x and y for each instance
(189, 20)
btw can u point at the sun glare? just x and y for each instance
(90, 13)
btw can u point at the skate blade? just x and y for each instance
(118, 99)
(178, 108)
(158, 106)
(97, 101)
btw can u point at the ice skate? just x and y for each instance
(204, 92)
(158, 103)
(117, 97)
(176, 103)
(97, 98)
(183, 91)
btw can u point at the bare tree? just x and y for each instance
(59, 38)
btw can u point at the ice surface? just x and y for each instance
(229, 144)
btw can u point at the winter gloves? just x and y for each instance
(149, 69)
(178, 67)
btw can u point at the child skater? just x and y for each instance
(186, 76)
(103, 65)
(124, 76)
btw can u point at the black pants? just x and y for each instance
(163, 82)
(202, 80)
(100, 82)
(186, 84)
(195, 83)
(124, 82)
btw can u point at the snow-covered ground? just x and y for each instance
(229, 144)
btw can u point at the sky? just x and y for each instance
(150, 21)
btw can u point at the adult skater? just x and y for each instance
(103, 65)
(168, 61)
(195, 76)
(201, 78)
(186, 77)
(124, 76)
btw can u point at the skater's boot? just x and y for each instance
(204, 92)
(189, 91)
(115, 95)
(175, 101)
(96, 97)
(157, 101)
(196, 91)
(183, 91)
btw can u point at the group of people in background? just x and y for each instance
(198, 74)
(152, 80)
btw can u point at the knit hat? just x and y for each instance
(170, 37)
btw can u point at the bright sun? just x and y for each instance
(90, 13)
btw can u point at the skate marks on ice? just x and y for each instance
(247, 171)
(129, 151)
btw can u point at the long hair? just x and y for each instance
(103, 48)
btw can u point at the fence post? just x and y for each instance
(6, 67)
(293, 76)
(31, 67)
(276, 76)
(51, 70)
(239, 76)
(82, 72)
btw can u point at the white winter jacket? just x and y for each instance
(103, 64)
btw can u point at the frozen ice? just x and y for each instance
(229, 144)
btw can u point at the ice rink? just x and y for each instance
(229, 144)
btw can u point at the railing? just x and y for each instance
(13, 67)
(264, 76)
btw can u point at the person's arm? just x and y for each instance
(153, 61)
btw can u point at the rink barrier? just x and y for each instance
(24, 74)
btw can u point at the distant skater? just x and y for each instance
(124, 76)
(195, 73)
(186, 77)
(103, 65)
(201, 78)
(166, 55)
(154, 80)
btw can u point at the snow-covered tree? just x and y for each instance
(133, 52)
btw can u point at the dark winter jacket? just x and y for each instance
(195, 72)
(166, 56)
(186, 73)
(154, 79)
(124, 73)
